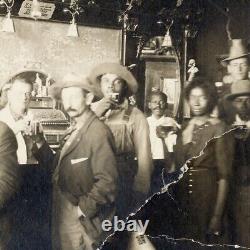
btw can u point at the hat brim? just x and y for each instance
(114, 68)
(230, 97)
(24, 71)
(225, 61)
(56, 89)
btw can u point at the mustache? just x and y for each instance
(70, 109)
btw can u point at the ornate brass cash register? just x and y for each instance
(53, 122)
(45, 111)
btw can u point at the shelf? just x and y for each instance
(153, 57)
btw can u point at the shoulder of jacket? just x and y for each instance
(97, 128)
(4, 127)
(5, 130)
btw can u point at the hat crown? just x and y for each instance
(114, 68)
(71, 78)
(237, 49)
(241, 86)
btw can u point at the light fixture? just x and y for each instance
(167, 41)
(7, 23)
(35, 10)
(73, 31)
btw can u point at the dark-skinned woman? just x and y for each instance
(202, 192)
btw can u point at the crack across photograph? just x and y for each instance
(124, 125)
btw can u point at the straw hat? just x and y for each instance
(239, 88)
(114, 68)
(72, 80)
(237, 50)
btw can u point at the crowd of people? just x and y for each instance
(113, 158)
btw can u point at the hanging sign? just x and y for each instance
(46, 9)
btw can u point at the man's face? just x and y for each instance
(198, 102)
(242, 107)
(157, 105)
(19, 97)
(238, 68)
(74, 101)
(112, 83)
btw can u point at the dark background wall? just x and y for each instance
(212, 40)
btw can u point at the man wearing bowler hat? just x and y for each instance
(240, 192)
(84, 173)
(130, 129)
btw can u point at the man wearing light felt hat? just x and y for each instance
(84, 172)
(130, 129)
(237, 62)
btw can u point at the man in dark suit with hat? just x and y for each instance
(130, 129)
(84, 174)
(240, 191)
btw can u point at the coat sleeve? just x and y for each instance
(45, 156)
(224, 149)
(143, 153)
(104, 170)
(10, 176)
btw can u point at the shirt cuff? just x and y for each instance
(80, 213)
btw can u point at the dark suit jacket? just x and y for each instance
(9, 180)
(86, 171)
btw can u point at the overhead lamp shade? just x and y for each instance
(73, 31)
(7, 24)
(167, 41)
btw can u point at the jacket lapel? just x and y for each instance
(78, 135)
(73, 141)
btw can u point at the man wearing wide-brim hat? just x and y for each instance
(239, 195)
(237, 62)
(130, 129)
(240, 99)
(84, 173)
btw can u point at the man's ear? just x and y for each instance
(229, 68)
(8, 93)
(149, 105)
(89, 98)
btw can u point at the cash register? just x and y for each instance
(44, 110)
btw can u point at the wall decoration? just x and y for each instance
(45, 46)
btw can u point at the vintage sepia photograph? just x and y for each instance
(124, 124)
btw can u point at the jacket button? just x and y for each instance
(190, 192)
(190, 185)
(191, 180)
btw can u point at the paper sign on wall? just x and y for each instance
(47, 9)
